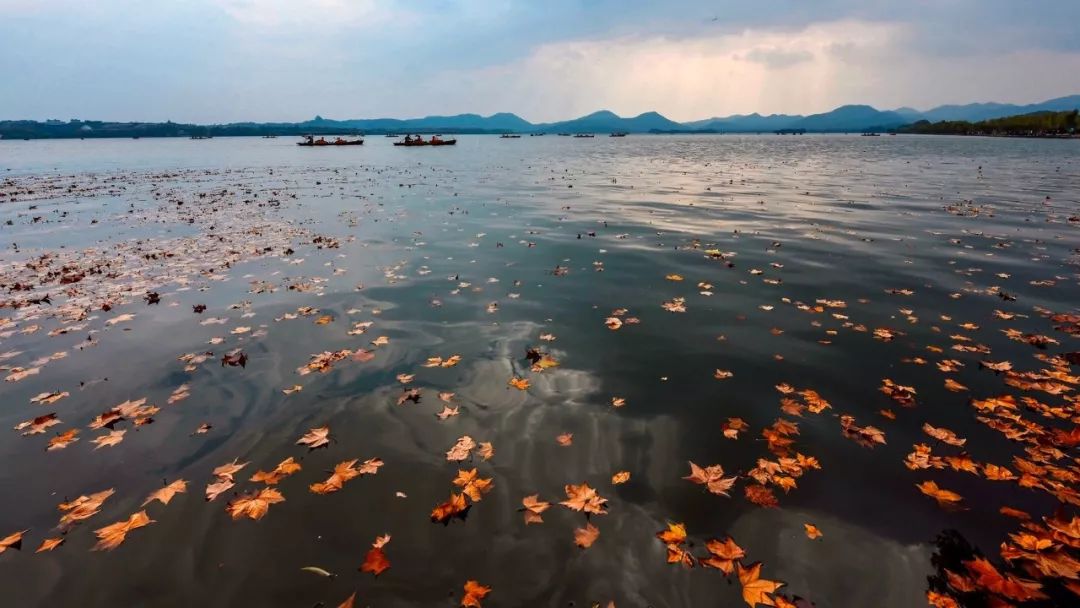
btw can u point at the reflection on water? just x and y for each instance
(435, 237)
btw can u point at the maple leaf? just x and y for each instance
(461, 450)
(760, 495)
(447, 412)
(565, 440)
(164, 495)
(756, 590)
(674, 535)
(485, 450)
(412, 394)
(533, 507)
(988, 577)
(226, 471)
(49, 544)
(471, 485)
(63, 440)
(454, 507)
(344, 471)
(943, 435)
(519, 383)
(722, 555)
(620, 477)
(474, 592)
(954, 386)
(732, 427)
(585, 537)
(218, 487)
(315, 438)
(722, 374)
(375, 561)
(109, 439)
(940, 600)
(12, 541)
(83, 507)
(254, 505)
(944, 497)
(584, 498)
(812, 531)
(282, 470)
(38, 425)
(712, 477)
(349, 601)
(111, 536)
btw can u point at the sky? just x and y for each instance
(213, 61)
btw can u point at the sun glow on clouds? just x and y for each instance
(688, 78)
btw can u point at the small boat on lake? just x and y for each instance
(618, 134)
(391, 135)
(309, 140)
(584, 135)
(871, 134)
(509, 136)
(416, 140)
(537, 134)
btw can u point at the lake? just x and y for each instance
(595, 306)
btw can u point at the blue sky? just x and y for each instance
(265, 60)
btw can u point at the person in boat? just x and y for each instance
(408, 139)
(339, 141)
(321, 141)
(435, 139)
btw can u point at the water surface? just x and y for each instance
(477, 250)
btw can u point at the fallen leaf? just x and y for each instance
(254, 505)
(164, 495)
(756, 590)
(111, 536)
(585, 537)
(315, 438)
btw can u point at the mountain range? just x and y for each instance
(844, 118)
(848, 118)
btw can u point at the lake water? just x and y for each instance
(828, 263)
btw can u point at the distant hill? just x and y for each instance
(605, 121)
(848, 118)
(746, 123)
(987, 111)
(458, 123)
(851, 118)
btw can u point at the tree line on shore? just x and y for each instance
(1036, 124)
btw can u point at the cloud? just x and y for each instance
(685, 78)
(778, 58)
(806, 69)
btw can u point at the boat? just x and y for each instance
(391, 135)
(564, 135)
(618, 134)
(416, 140)
(269, 136)
(202, 137)
(871, 134)
(584, 135)
(309, 140)
(537, 134)
(509, 136)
